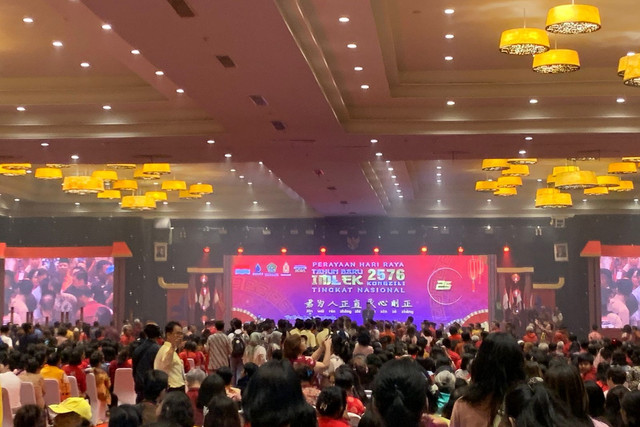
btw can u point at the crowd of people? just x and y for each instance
(326, 373)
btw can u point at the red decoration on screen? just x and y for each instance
(283, 251)
(206, 249)
(506, 248)
(240, 251)
(376, 250)
(323, 250)
(423, 249)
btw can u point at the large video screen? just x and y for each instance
(441, 289)
(619, 291)
(58, 289)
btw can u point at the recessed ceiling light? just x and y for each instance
(159, 73)
(620, 100)
(106, 26)
(343, 19)
(489, 200)
(255, 202)
(584, 200)
(438, 174)
(57, 43)
(438, 181)
(211, 141)
(29, 171)
(533, 101)
(27, 20)
(156, 183)
(630, 53)
(16, 200)
(180, 90)
(241, 176)
(451, 102)
(449, 36)
(522, 152)
(635, 200)
(539, 179)
(401, 196)
(438, 201)
(85, 64)
(44, 144)
(135, 52)
(373, 141)
(449, 11)
(358, 68)
(438, 167)
(387, 161)
(390, 169)
(393, 177)
(352, 45)
(165, 203)
(208, 203)
(528, 138)
(228, 155)
(249, 183)
(21, 108)
(260, 163)
(378, 154)
(77, 203)
(448, 58)
(232, 170)
(398, 190)
(396, 183)
(75, 156)
(364, 87)
(106, 107)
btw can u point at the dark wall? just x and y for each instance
(530, 239)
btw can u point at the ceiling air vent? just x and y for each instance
(182, 8)
(259, 100)
(226, 61)
(332, 188)
(278, 125)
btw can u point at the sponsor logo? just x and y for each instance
(241, 270)
(285, 268)
(299, 268)
(257, 269)
(272, 267)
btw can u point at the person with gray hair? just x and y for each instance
(194, 379)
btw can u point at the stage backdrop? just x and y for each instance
(441, 289)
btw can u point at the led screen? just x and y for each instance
(57, 289)
(442, 289)
(619, 291)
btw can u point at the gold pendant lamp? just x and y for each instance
(573, 19)
(556, 61)
(486, 186)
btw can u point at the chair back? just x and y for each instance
(51, 391)
(92, 394)
(73, 386)
(354, 419)
(124, 386)
(27, 394)
(191, 362)
(7, 416)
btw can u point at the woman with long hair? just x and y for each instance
(255, 351)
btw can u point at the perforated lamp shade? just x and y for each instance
(48, 173)
(554, 201)
(108, 176)
(560, 169)
(556, 61)
(201, 188)
(125, 184)
(16, 166)
(174, 185)
(622, 65)
(575, 180)
(156, 168)
(158, 196)
(523, 161)
(138, 203)
(634, 159)
(516, 170)
(596, 191)
(483, 186)
(608, 181)
(12, 172)
(573, 19)
(110, 194)
(82, 185)
(632, 72)
(121, 165)
(140, 174)
(622, 168)
(509, 181)
(494, 164)
(524, 41)
(624, 186)
(546, 191)
(185, 195)
(506, 192)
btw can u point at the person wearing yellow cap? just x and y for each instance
(72, 412)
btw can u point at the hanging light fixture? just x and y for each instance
(522, 161)
(16, 166)
(158, 196)
(524, 41)
(156, 168)
(82, 185)
(632, 71)
(596, 191)
(12, 172)
(556, 61)
(551, 179)
(573, 19)
(494, 164)
(608, 181)
(576, 180)
(138, 203)
(200, 188)
(516, 170)
(634, 159)
(140, 174)
(484, 186)
(509, 181)
(546, 191)
(107, 176)
(125, 185)
(622, 168)
(554, 201)
(560, 169)
(57, 165)
(174, 185)
(121, 165)
(622, 65)
(185, 195)
(48, 173)
(624, 186)
(109, 194)
(505, 192)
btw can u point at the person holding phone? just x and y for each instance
(167, 358)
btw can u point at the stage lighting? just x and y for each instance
(206, 249)
(283, 251)
(376, 250)
(423, 249)
(240, 251)
(506, 248)
(460, 249)
(323, 250)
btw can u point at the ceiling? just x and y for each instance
(313, 135)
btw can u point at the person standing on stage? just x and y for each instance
(368, 313)
(167, 358)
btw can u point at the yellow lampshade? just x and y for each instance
(82, 185)
(138, 203)
(624, 186)
(556, 61)
(121, 165)
(109, 194)
(622, 168)
(505, 192)
(554, 201)
(632, 72)
(622, 65)
(573, 19)
(12, 172)
(15, 166)
(516, 170)
(185, 195)
(48, 173)
(158, 196)
(486, 186)
(608, 181)
(140, 174)
(494, 164)
(524, 41)
(596, 191)
(107, 176)
(201, 188)
(560, 169)
(575, 180)
(522, 161)
(509, 181)
(156, 168)
(57, 165)
(174, 185)
(634, 159)
(546, 191)
(551, 179)
(125, 184)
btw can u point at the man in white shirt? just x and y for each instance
(4, 336)
(10, 381)
(167, 358)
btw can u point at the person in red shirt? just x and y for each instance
(190, 352)
(74, 369)
(331, 406)
(126, 337)
(345, 379)
(530, 336)
(455, 357)
(122, 360)
(586, 368)
(454, 334)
